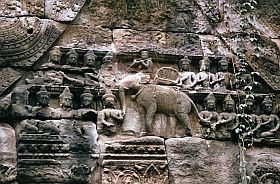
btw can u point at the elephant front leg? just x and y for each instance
(142, 113)
(151, 111)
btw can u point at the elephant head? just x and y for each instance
(131, 84)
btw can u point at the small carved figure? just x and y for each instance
(144, 63)
(90, 59)
(29, 127)
(86, 99)
(104, 77)
(203, 77)
(110, 117)
(268, 123)
(42, 109)
(48, 127)
(187, 79)
(108, 59)
(209, 116)
(66, 99)
(226, 119)
(65, 110)
(55, 56)
(72, 57)
(5, 104)
(223, 80)
(5, 107)
(43, 97)
(86, 112)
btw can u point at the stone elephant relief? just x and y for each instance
(152, 99)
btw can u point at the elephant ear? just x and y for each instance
(145, 78)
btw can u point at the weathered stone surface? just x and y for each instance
(56, 10)
(140, 160)
(195, 160)
(8, 153)
(89, 37)
(127, 40)
(267, 11)
(63, 10)
(8, 76)
(173, 16)
(263, 165)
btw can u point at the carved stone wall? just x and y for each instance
(113, 92)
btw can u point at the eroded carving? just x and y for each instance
(44, 153)
(187, 78)
(8, 76)
(156, 98)
(265, 175)
(226, 119)
(203, 77)
(209, 116)
(24, 40)
(109, 119)
(137, 166)
(268, 123)
(144, 64)
(223, 80)
(63, 10)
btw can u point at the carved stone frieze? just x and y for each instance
(24, 40)
(106, 91)
(135, 161)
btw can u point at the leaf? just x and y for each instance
(257, 73)
(257, 83)
(252, 96)
(257, 55)
(248, 87)
(238, 130)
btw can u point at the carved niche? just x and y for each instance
(140, 160)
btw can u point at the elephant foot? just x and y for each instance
(142, 134)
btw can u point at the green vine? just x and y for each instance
(245, 119)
